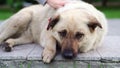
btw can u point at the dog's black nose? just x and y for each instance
(68, 54)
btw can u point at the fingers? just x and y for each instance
(56, 3)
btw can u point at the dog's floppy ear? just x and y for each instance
(53, 21)
(93, 24)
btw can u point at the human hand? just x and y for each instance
(56, 3)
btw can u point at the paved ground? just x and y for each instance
(114, 26)
(109, 51)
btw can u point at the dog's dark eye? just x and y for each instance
(62, 33)
(79, 35)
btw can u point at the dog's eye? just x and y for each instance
(62, 33)
(79, 35)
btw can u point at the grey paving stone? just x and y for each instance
(57, 64)
(110, 65)
(111, 48)
(18, 52)
(64, 64)
(113, 27)
(91, 55)
(93, 64)
(35, 53)
(80, 64)
(39, 64)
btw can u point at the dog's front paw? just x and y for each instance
(6, 47)
(47, 55)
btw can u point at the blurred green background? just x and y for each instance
(111, 8)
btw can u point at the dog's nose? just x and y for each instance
(68, 54)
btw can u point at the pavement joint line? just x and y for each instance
(30, 52)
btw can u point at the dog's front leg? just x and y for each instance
(49, 44)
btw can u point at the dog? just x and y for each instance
(76, 27)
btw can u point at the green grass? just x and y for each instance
(89, 66)
(5, 13)
(110, 12)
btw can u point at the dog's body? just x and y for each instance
(76, 26)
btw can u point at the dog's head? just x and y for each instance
(71, 29)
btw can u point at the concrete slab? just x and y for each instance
(91, 55)
(35, 53)
(113, 27)
(110, 49)
(19, 52)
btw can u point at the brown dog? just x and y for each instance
(77, 26)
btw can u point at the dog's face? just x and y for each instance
(72, 29)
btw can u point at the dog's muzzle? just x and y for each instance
(68, 54)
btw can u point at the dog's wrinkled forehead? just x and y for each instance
(73, 19)
(65, 15)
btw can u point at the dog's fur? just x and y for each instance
(77, 26)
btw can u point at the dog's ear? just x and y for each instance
(53, 21)
(93, 24)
